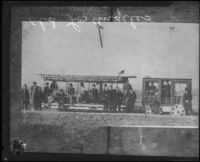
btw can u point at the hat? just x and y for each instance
(34, 82)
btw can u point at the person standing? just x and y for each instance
(187, 101)
(39, 99)
(94, 94)
(47, 92)
(130, 100)
(152, 89)
(166, 92)
(34, 92)
(111, 96)
(81, 95)
(62, 97)
(71, 92)
(127, 87)
(53, 86)
(25, 97)
(105, 97)
(118, 99)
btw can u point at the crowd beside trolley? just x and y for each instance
(110, 97)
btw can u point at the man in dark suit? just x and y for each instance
(187, 101)
(47, 92)
(94, 94)
(166, 94)
(127, 87)
(111, 96)
(71, 92)
(118, 99)
(53, 86)
(25, 97)
(39, 99)
(34, 93)
(130, 99)
(105, 97)
(152, 89)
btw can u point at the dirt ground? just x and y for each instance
(54, 117)
(105, 133)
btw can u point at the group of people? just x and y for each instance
(111, 98)
(37, 95)
(152, 90)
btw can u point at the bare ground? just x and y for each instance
(105, 133)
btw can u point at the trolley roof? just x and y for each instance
(85, 78)
(149, 78)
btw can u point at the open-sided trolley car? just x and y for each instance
(86, 79)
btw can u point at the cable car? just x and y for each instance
(88, 79)
(164, 95)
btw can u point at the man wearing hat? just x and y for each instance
(187, 101)
(130, 99)
(94, 94)
(105, 98)
(71, 92)
(34, 92)
(47, 92)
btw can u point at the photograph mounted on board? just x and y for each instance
(106, 82)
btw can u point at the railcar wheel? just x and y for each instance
(177, 110)
(148, 109)
(153, 108)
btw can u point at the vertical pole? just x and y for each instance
(100, 37)
(77, 91)
(140, 136)
(108, 140)
(66, 88)
(100, 89)
(111, 14)
(43, 84)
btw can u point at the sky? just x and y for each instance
(152, 49)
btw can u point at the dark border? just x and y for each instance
(6, 154)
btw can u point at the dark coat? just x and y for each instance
(105, 96)
(130, 99)
(152, 89)
(25, 96)
(166, 90)
(187, 105)
(95, 94)
(47, 91)
(39, 97)
(111, 95)
(71, 91)
(188, 97)
(53, 86)
(34, 93)
(127, 88)
(118, 98)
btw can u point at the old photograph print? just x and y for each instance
(94, 83)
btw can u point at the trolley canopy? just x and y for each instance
(85, 78)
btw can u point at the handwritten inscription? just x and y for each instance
(72, 22)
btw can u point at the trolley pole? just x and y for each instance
(108, 140)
